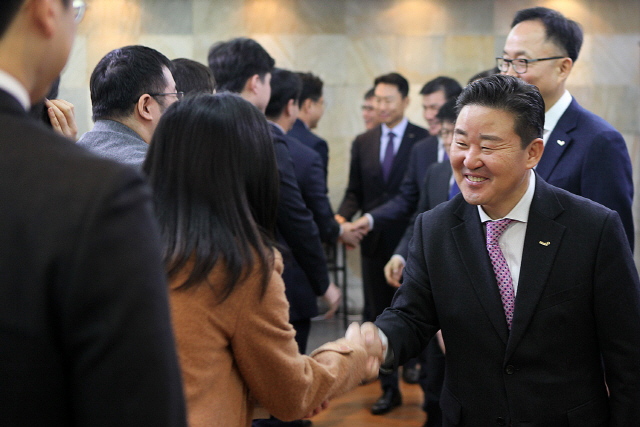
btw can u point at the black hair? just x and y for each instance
(122, 77)
(8, 12)
(285, 86)
(192, 77)
(564, 33)
(394, 79)
(510, 94)
(212, 168)
(235, 61)
(449, 86)
(483, 74)
(448, 112)
(311, 88)
(370, 93)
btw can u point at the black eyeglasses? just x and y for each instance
(520, 66)
(178, 95)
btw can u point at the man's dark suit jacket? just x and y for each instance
(423, 154)
(313, 187)
(300, 132)
(367, 188)
(299, 233)
(586, 156)
(577, 310)
(85, 331)
(434, 190)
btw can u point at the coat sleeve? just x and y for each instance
(287, 384)
(116, 333)
(295, 224)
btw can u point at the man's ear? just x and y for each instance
(405, 102)
(252, 84)
(290, 108)
(534, 152)
(565, 67)
(143, 107)
(306, 105)
(44, 14)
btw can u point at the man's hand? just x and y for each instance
(332, 297)
(340, 219)
(324, 405)
(351, 236)
(62, 117)
(393, 270)
(362, 224)
(367, 336)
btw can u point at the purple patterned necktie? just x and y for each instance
(500, 267)
(387, 162)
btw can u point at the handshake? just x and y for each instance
(352, 232)
(367, 336)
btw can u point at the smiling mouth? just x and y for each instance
(475, 178)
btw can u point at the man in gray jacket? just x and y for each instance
(130, 89)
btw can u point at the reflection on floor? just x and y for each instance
(353, 409)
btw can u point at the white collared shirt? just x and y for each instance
(441, 151)
(552, 116)
(512, 240)
(398, 131)
(11, 85)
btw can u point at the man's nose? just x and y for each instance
(472, 158)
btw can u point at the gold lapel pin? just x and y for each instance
(544, 243)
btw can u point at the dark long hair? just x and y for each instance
(212, 168)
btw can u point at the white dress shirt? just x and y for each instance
(552, 116)
(398, 131)
(11, 85)
(512, 240)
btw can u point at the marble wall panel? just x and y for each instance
(342, 111)
(404, 17)
(322, 54)
(172, 46)
(81, 101)
(420, 58)
(505, 10)
(618, 105)
(218, 20)
(468, 55)
(616, 59)
(167, 16)
(76, 73)
(583, 68)
(464, 17)
(281, 47)
(615, 16)
(368, 57)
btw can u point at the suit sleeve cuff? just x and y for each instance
(370, 218)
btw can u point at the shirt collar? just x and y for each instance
(398, 129)
(280, 128)
(11, 85)
(552, 116)
(520, 212)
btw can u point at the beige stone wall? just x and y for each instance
(348, 42)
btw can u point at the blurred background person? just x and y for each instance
(369, 114)
(192, 77)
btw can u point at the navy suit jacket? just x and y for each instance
(576, 317)
(434, 190)
(367, 188)
(313, 187)
(300, 132)
(423, 154)
(586, 156)
(299, 234)
(85, 330)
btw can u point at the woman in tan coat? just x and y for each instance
(212, 168)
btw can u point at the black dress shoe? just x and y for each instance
(411, 374)
(390, 399)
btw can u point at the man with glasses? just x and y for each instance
(85, 330)
(130, 89)
(583, 153)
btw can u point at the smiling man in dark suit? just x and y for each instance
(379, 160)
(534, 288)
(583, 153)
(85, 331)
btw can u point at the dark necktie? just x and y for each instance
(500, 267)
(387, 162)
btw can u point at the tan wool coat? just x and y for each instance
(243, 349)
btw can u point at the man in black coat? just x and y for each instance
(379, 161)
(534, 288)
(85, 331)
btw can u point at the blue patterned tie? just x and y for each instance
(387, 162)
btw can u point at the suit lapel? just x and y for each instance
(398, 167)
(373, 155)
(541, 244)
(470, 240)
(558, 142)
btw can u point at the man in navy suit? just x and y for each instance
(379, 160)
(583, 153)
(534, 289)
(310, 111)
(85, 329)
